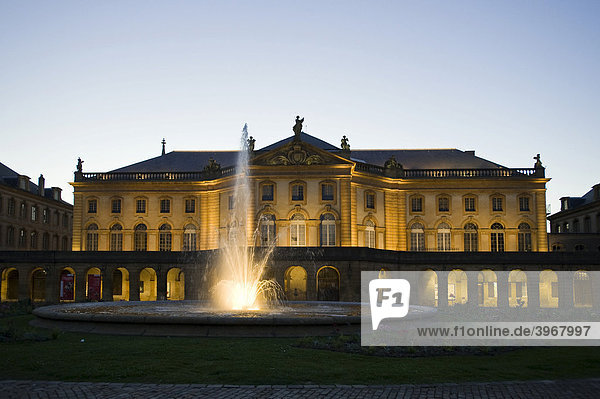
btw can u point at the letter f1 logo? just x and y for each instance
(389, 298)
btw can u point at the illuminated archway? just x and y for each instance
(120, 284)
(93, 284)
(517, 289)
(548, 289)
(38, 285)
(457, 287)
(328, 284)
(66, 291)
(10, 285)
(175, 284)
(428, 288)
(582, 289)
(383, 273)
(148, 284)
(295, 283)
(487, 287)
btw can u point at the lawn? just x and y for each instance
(88, 357)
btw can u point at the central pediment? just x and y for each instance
(298, 153)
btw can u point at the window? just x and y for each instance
(417, 237)
(297, 230)
(370, 200)
(524, 204)
(556, 247)
(470, 204)
(22, 210)
(45, 213)
(55, 242)
(190, 205)
(11, 207)
(327, 192)
(140, 206)
(443, 204)
(92, 206)
(189, 238)
(116, 237)
(165, 206)
(46, 241)
(443, 237)
(497, 204)
(370, 234)
(65, 243)
(524, 237)
(497, 238)
(91, 242)
(231, 202)
(140, 237)
(267, 230)
(576, 226)
(65, 220)
(34, 213)
(470, 237)
(10, 236)
(579, 247)
(56, 218)
(22, 239)
(34, 240)
(267, 192)
(567, 227)
(116, 205)
(587, 225)
(297, 192)
(327, 230)
(416, 204)
(164, 237)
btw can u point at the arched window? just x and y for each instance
(524, 237)
(189, 238)
(327, 230)
(91, 241)
(116, 237)
(497, 238)
(164, 237)
(267, 230)
(298, 230)
(140, 237)
(417, 237)
(443, 237)
(470, 236)
(370, 234)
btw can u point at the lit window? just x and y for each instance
(267, 192)
(370, 234)
(140, 237)
(370, 200)
(297, 192)
(91, 242)
(298, 230)
(524, 237)
(34, 240)
(23, 210)
(165, 206)
(326, 192)
(116, 237)
(190, 205)
(164, 237)
(443, 237)
(497, 238)
(416, 204)
(22, 238)
(34, 212)
(116, 206)
(189, 238)
(327, 230)
(140, 206)
(470, 237)
(45, 212)
(497, 205)
(443, 204)
(524, 204)
(470, 204)
(92, 206)
(417, 237)
(267, 230)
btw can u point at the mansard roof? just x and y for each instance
(189, 161)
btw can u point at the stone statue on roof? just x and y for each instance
(213, 166)
(345, 145)
(298, 128)
(79, 165)
(538, 161)
(251, 142)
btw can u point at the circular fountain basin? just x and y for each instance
(194, 318)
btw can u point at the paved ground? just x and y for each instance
(588, 388)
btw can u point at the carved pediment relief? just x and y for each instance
(296, 154)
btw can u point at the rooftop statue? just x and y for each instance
(251, 142)
(538, 161)
(79, 165)
(298, 128)
(345, 144)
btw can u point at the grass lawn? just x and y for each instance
(264, 361)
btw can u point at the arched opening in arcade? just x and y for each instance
(517, 289)
(487, 287)
(66, 292)
(328, 284)
(548, 289)
(428, 288)
(582, 289)
(457, 287)
(38, 285)
(120, 284)
(93, 284)
(295, 283)
(148, 284)
(383, 273)
(175, 284)
(10, 285)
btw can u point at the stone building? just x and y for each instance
(307, 192)
(577, 226)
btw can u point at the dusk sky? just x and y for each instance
(107, 80)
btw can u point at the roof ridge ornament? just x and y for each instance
(297, 128)
(164, 142)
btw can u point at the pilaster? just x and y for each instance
(346, 211)
(402, 244)
(540, 210)
(390, 203)
(77, 221)
(353, 222)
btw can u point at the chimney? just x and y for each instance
(24, 182)
(470, 152)
(41, 181)
(56, 193)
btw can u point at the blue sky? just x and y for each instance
(107, 80)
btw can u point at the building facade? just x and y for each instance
(577, 226)
(306, 192)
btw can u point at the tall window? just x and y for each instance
(140, 206)
(164, 237)
(92, 206)
(576, 226)
(417, 237)
(23, 210)
(497, 238)
(524, 237)
(22, 238)
(298, 230)
(587, 225)
(298, 192)
(443, 204)
(416, 204)
(327, 230)
(91, 241)
(327, 192)
(370, 234)
(45, 213)
(267, 192)
(370, 200)
(34, 240)
(140, 238)
(65, 220)
(267, 230)
(115, 205)
(65, 243)
(189, 238)
(190, 205)
(116, 237)
(443, 237)
(34, 213)
(10, 236)
(165, 206)
(470, 236)
(11, 207)
(46, 241)
(470, 204)
(524, 204)
(497, 204)
(231, 202)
